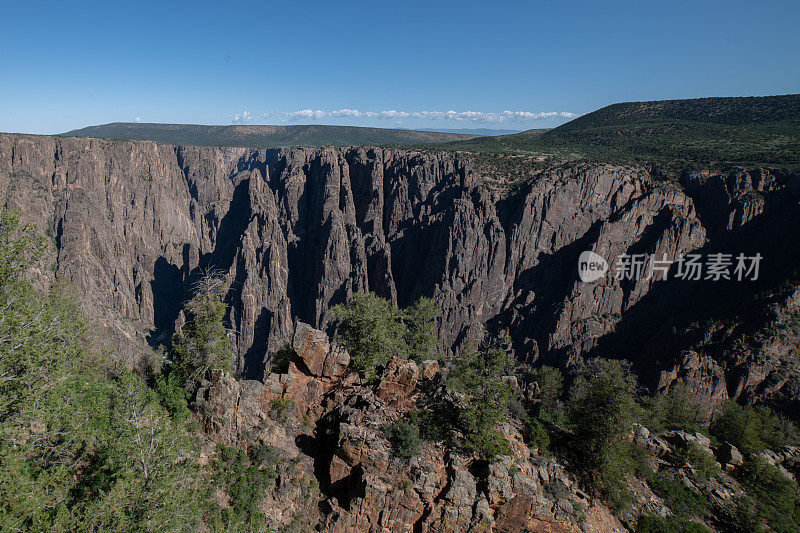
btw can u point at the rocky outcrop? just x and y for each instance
(337, 471)
(398, 381)
(701, 375)
(295, 231)
(316, 353)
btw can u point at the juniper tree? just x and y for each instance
(203, 345)
(374, 330)
(478, 375)
(602, 409)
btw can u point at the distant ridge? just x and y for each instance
(257, 136)
(752, 130)
(473, 131)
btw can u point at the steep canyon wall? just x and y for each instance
(295, 231)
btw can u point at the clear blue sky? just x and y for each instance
(66, 65)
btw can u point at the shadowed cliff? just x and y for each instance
(296, 231)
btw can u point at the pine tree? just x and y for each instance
(203, 344)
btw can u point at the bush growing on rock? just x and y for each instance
(243, 482)
(602, 410)
(280, 359)
(434, 424)
(704, 462)
(279, 409)
(171, 391)
(536, 435)
(752, 429)
(203, 345)
(683, 501)
(404, 438)
(477, 374)
(550, 382)
(774, 495)
(677, 409)
(420, 319)
(373, 331)
(743, 515)
(669, 524)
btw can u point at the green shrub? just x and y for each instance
(744, 515)
(245, 483)
(297, 525)
(478, 375)
(404, 484)
(203, 345)
(704, 462)
(21, 247)
(373, 331)
(434, 424)
(404, 438)
(751, 429)
(483, 437)
(173, 395)
(682, 500)
(602, 410)
(263, 455)
(151, 462)
(420, 319)
(677, 409)
(279, 408)
(774, 494)
(670, 524)
(281, 359)
(536, 435)
(551, 384)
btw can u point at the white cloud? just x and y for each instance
(239, 118)
(308, 113)
(137, 119)
(393, 114)
(461, 116)
(347, 113)
(527, 115)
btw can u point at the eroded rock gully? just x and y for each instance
(295, 231)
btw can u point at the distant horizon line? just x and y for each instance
(400, 128)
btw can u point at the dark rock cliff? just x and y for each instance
(298, 230)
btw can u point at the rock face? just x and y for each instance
(399, 379)
(701, 374)
(729, 455)
(295, 231)
(317, 354)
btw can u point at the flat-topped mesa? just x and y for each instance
(295, 231)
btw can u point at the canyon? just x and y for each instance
(135, 225)
(295, 231)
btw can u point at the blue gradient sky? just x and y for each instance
(66, 65)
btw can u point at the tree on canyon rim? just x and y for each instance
(203, 345)
(374, 330)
